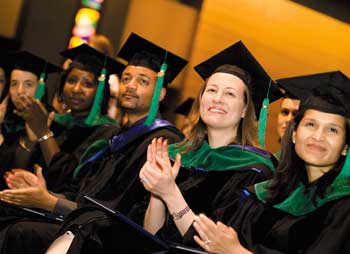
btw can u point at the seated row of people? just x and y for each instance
(220, 170)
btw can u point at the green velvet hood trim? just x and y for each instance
(95, 147)
(12, 127)
(69, 122)
(219, 159)
(299, 203)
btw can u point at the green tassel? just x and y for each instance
(263, 121)
(152, 113)
(96, 106)
(263, 118)
(40, 90)
(345, 169)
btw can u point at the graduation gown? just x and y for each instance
(211, 191)
(264, 229)
(72, 143)
(203, 190)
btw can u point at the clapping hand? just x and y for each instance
(36, 116)
(158, 175)
(28, 190)
(217, 237)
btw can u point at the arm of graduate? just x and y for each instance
(37, 128)
(158, 177)
(29, 190)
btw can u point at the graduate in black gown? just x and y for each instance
(25, 70)
(305, 207)
(60, 145)
(222, 152)
(109, 168)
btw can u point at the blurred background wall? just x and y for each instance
(287, 37)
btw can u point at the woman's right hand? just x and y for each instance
(35, 115)
(158, 175)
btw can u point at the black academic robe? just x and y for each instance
(72, 143)
(264, 229)
(207, 192)
(112, 178)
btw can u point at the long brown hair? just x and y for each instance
(247, 129)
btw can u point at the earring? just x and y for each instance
(343, 153)
(293, 140)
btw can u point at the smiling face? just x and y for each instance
(223, 102)
(79, 91)
(320, 140)
(22, 83)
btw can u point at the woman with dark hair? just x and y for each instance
(305, 207)
(222, 152)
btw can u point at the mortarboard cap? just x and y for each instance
(238, 54)
(84, 51)
(328, 92)
(301, 87)
(3, 60)
(141, 52)
(185, 107)
(27, 61)
(97, 63)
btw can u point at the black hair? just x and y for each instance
(90, 64)
(150, 61)
(291, 168)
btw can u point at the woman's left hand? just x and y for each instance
(34, 195)
(217, 237)
(158, 175)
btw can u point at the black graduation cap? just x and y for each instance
(185, 107)
(140, 52)
(332, 90)
(80, 52)
(97, 63)
(301, 87)
(3, 60)
(239, 55)
(27, 61)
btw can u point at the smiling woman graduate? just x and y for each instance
(222, 152)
